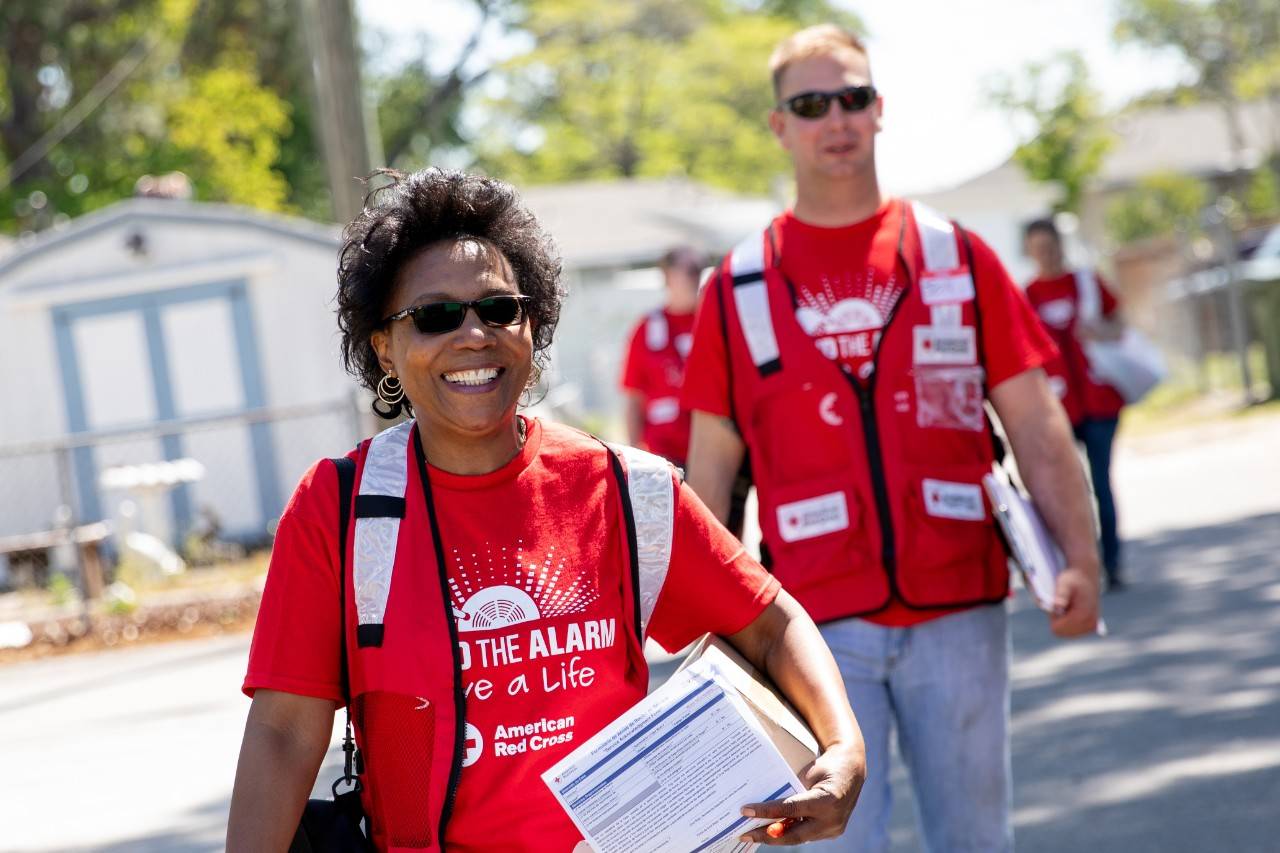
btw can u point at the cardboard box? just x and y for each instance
(784, 726)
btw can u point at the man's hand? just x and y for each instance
(834, 781)
(1075, 603)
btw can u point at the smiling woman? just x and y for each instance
(492, 566)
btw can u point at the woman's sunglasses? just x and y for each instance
(812, 105)
(436, 318)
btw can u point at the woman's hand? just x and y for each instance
(834, 781)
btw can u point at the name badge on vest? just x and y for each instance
(935, 345)
(813, 517)
(959, 501)
(947, 287)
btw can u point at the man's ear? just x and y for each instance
(879, 113)
(777, 123)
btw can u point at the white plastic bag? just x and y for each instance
(1132, 365)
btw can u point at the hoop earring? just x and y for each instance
(390, 391)
(391, 394)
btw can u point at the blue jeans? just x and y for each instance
(944, 685)
(1097, 435)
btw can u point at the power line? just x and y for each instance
(83, 108)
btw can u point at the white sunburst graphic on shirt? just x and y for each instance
(507, 586)
(821, 313)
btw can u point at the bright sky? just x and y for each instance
(930, 58)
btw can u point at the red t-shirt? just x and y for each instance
(538, 685)
(853, 278)
(1057, 302)
(657, 375)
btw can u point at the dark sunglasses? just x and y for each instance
(436, 318)
(812, 105)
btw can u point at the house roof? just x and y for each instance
(137, 211)
(1192, 139)
(630, 223)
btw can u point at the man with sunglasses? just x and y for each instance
(849, 350)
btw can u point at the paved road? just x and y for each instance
(1164, 736)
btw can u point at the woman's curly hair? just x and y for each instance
(418, 210)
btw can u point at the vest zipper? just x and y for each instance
(875, 463)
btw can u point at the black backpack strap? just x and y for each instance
(346, 468)
(997, 446)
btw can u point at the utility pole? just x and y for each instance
(1218, 217)
(347, 132)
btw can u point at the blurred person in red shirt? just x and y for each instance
(653, 371)
(1093, 405)
(848, 350)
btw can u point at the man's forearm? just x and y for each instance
(715, 456)
(1051, 470)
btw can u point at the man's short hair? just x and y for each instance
(1044, 226)
(819, 40)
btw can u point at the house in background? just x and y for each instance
(160, 329)
(1188, 140)
(611, 235)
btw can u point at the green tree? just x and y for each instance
(96, 93)
(1069, 137)
(1159, 205)
(645, 89)
(1232, 45)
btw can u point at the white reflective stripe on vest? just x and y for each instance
(653, 509)
(937, 239)
(385, 473)
(656, 333)
(1088, 298)
(752, 301)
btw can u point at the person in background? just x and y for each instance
(653, 370)
(849, 348)
(653, 374)
(1093, 406)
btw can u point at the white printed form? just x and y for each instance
(672, 773)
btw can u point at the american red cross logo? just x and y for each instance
(928, 343)
(793, 521)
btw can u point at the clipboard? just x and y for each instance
(1032, 549)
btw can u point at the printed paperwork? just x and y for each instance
(672, 773)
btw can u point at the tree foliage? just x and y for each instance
(651, 88)
(1159, 205)
(1069, 137)
(95, 94)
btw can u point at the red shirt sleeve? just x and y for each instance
(706, 375)
(1013, 340)
(296, 645)
(633, 368)
(712, 585)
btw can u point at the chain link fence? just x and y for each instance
(246, 466)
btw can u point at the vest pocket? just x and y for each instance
(948, 536)
(397, 741)
(801, 434)
(813, 531)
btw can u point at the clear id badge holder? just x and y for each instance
(950, 397)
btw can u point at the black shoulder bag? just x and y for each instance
(333, 826)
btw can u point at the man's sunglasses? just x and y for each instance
(436, 318)
(812, 105)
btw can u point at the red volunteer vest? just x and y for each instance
(666, 426)
(871, 489)
(407, 701)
